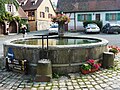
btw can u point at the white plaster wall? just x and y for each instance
(79, 25)
(44, 23)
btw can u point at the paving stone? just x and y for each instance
(8, 87)
(47, 88)
(89, 86)
(74, 81)
(97, 87)
(75, 84)
(114, 86)
(70, 87)
(91, 80)
(33, 88)
(55, 88)
(35, 85)
(63, 89)
(83, 86)
(92, 89)
(110, 83)
(81, 83)
(85, 79)
(1, 85)
(62, 84)
(87, 82)
(103, 85)
(55, 84)
(105, 80)
(79, 80)
(19, 88)
(49, 84)
(93, 83)
(85, 89)
(76, 87)
(14, 87)
(99, 81)
(108, 88)
(69, 83)
(41, 88)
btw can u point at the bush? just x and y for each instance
(99, 23)
(114, 50)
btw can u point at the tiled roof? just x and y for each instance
(22, 14)
(87, 5)
(29, 6)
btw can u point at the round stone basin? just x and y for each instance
(66, 54)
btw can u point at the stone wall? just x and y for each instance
(64, 60)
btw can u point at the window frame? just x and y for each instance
(46, 9)
(42, 14)
(84, 17)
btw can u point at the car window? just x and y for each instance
(92, 25)
(54, 26)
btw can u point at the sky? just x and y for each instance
(54, 1)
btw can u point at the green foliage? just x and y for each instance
(24, 22)
(99, 23)
(5, 15)
(86, 66)
(114, 50)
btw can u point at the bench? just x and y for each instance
(16, 65)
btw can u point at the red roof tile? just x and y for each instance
(88, 5)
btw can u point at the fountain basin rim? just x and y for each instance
(101, 43)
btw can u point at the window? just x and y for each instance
(31, 13)
(98, 17)
(42, 14)
(46, 9)
(22, 3)
(33, 3)
(49, 15)
(9, 7)
(82, 17)
(112, 16)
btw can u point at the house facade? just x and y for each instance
(12, 26)
(107, 11)
(39, 13)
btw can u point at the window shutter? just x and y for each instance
(78, 17)
(107, 17)
(118, 16)
(89, 17)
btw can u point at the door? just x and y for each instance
(98, 17)
(13, 27)
(2, 28)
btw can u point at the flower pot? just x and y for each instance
(85, 71)
(88, 71)
(93, 70)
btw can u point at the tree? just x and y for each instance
(5, 15)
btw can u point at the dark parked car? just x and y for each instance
(111, 28)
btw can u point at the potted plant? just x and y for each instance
(114, 50)
(90, 66)
(61, 19)
(85, 68)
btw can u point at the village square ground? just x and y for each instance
(102, 80)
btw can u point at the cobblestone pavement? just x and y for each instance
(104, 79)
